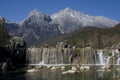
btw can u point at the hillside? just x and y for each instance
(39, 28)
(95, 37)
(4, 36)
(70, 20)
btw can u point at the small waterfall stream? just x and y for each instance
(118, 61)
(100, 57)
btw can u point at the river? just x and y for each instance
(47, 74)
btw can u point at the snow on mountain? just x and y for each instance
(38, 27)
(70, 20)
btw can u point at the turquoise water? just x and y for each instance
(47, 74)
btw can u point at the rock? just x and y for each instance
(74, 68)
(53, 68)
(4, 67)
(69, 71)
(17, 42)
(85, 68)
(102, 70)
(62, 45)
(32, 70)
(72, 71)
(38, 67)
(63, 68)
(64, 72)
(117, 51)
(49, 66)
(106, 66)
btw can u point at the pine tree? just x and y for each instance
(4, 36)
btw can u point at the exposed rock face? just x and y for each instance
(12, 54)
(71, 56)
(48, 56)
(37, 27)
(4, 67)
(18, 50)
(13, 28)
(116, 57)
(62, 45)
(87, 56)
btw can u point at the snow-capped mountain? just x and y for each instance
(37, 27)
(41, 28)
(70, 20)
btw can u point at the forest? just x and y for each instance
(95, 37)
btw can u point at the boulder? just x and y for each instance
(63, 68)
(4, 67)
(85, 68)
(62, 45)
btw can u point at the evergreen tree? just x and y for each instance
(4, 36)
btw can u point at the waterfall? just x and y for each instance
(100, 58)
(101, 61)
(109, 57)
(118, 61)
(44, 56)
(57, 56)
(103, 57)
(42, 63)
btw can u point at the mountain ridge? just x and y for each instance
(41, 28)
(37, 27)
(79, 19)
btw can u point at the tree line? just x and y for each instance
(95, 37)
(4, 36)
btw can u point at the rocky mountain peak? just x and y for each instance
(70, 20)
(35, 12)
(67, 12)
(36, 16)
(68, 9)
(38, 27)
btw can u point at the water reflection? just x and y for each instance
(47, 74)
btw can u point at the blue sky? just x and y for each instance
(17, 10)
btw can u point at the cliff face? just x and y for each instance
(59, 56)
(48, 56)
(71, 56)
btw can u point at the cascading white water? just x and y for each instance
(118, 61)
(44, 56)
(42, 63)
(48, 56)
(100, 57)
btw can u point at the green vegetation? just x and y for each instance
(95, 37)
(88, 36)
(4, 36)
